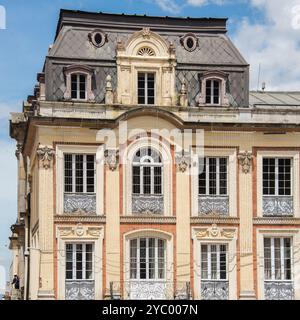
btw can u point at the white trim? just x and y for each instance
(166, 172)
(295, 191)
(231, 258)
(292, 233)
(231, 154)
(99, 179)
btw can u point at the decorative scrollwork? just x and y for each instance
(278, 206)
(112, 159)
(148, 204)
(246, 161)
(183, 161)
(45, 155)
(80, 203)
(213, 205)
(146, 51)
(214, 290)
(279, 290)
(80, 290)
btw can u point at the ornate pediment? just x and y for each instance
(79, 231)
(215, 232)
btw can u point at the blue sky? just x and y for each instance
(264, 30)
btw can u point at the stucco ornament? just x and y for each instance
(215, 232)
(246, 161)
(183, 101)
(79, 230)
(183, 161)
(109, 96)
(45, 155)
(112, 159)
(146, 33)
(18, 150)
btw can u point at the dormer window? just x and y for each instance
(213, 87)
(78, 86)
(79, 83)
(146, 88)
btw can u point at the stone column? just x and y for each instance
(45, 155)
(246, 227)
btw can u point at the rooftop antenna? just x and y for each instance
(258, 80)
(263, 87)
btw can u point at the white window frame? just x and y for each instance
(207, 180)
(74, 262)
(146, 74)
(78, 91)
(84, 176)
(156, 278)
(295, 181)
(231, 155)
(211, 96)
(152, 165)
(218, 245)
(167, 176)
(294, 234)
(282, 258)
(98, 150)
(277, 177)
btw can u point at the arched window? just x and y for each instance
(147, 172)
(213, 92)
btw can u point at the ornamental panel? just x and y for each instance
(213, 205)
(278, 206)
(80, 203)
(80, 290)
(214, 290)
(279, 290)
(147, 204)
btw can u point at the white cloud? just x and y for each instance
(200, 3)
(169, 6)
(273, 43)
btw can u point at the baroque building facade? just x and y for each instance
(147, 170)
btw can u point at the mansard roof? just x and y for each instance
(277, 99)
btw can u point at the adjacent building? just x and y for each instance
(147, 170)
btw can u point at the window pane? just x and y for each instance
(143, 274)
(287, 259)
(90, 173)
(133, 259)
(267, 258)
(284, 176)
(68, 172)
(204, 262)
(223, 262)
(161, 259)
(141, 88)
(277, 253)
(202, 176)
(136, 180)
(212, 176)
(69, 261)
(79, 172)
(79, 261)
(223, 176)
(147, 180)
(151, 254)
(157, 180)
(82, 87)
(214, 265)
(268, 176)
(208, 92)
(216, 92)
(74, 85)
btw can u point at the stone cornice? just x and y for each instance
(79, 219)
(214, 220)
(277, 221)
(148, 219)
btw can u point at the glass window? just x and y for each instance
(277, 258)
(277, 176)
(213, 176)
(213, 92)
(78, 87)
(146, 88)
(214, 262)
(79, 173)
(147, 259)
(79, 261)
(147, 172)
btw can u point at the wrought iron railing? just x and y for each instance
(84, 203)
(214, 290)
(80, 289)
(147, 204)
(279, 290)
(278, 206)
(150, 290)
(213, 205)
